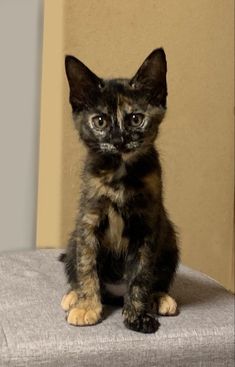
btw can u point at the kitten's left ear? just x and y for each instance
(151, 77)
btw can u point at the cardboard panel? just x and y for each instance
(196, 141)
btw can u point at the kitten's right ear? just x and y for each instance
(84, 84)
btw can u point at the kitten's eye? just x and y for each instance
(99, 122)
(136, 119)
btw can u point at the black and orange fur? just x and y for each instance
(122, 233)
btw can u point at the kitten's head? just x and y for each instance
(118, 116)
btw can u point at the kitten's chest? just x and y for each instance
(114, 237)
(124, 200)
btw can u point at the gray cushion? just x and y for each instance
(33, 330)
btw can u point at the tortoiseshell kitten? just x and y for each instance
(123, 242)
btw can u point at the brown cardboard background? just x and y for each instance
(197, 137)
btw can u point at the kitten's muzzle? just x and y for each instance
(118, 142)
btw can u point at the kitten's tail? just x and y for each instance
(62, 257)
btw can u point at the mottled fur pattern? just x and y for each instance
(122, 233)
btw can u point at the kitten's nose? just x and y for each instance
(118, 142)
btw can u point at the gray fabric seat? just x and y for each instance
(33, 330)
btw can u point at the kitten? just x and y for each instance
(123, 240)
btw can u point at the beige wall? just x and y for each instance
(196, 141)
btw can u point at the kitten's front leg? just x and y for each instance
(83, 303)
(136, 306)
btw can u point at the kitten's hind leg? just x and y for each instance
(69, 300)
(164, 305)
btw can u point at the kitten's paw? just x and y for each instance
(69, 300)
(79, 316)
(143, 323)
(165, 305)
